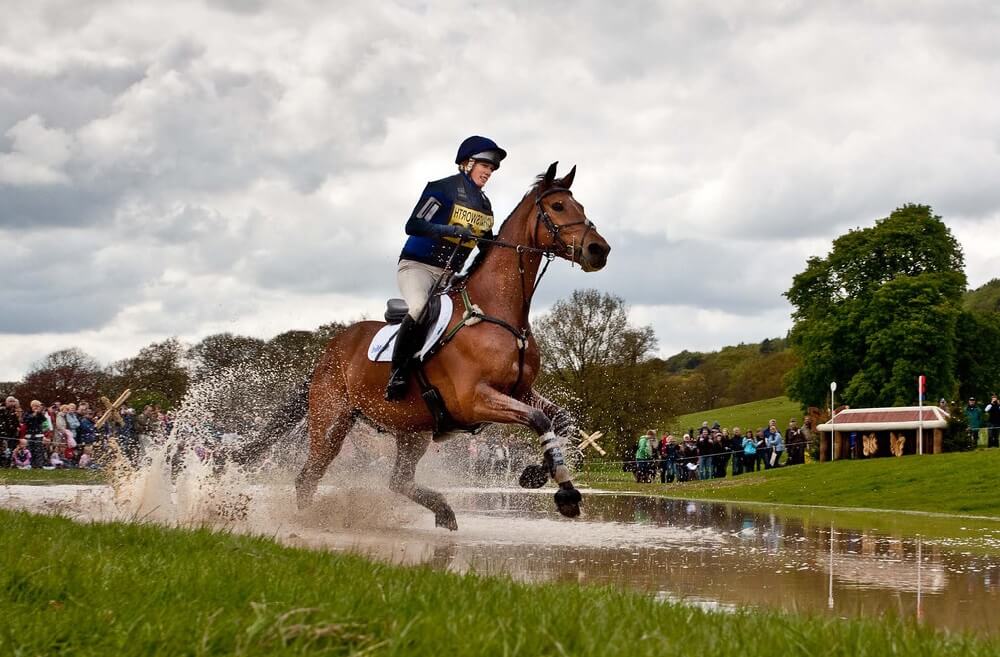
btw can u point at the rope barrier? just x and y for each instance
(692, 457)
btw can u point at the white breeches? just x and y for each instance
(416, 280)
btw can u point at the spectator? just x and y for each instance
(763, 453)
(668, 459)
(644, 458)
(796, 442)
(72, 418)
(22, 456)
(688, 457)
(974, 418)
(724, 454)
(719, 456)
(736, 447)
(993, 420)
(705, 451)
(10, 424)
(36, 426)
(749, 452)
(775, 445)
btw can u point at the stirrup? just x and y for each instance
(395, 390)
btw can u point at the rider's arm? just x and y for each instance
(424, 228)
(431, 206)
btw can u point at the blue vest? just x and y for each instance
(454, 201)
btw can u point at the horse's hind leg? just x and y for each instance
(328, 426)
(410, 447)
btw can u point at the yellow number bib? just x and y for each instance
(478, 222)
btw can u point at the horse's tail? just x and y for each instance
(287, 422)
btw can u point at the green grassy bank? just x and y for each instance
(960, 483)
(145, 590)
(752, 414)
(12, 476)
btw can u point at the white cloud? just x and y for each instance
(202, 166)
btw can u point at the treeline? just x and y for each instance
(162, 373)
(699, 381)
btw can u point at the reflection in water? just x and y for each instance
(720, 556)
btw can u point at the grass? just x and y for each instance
(12, 476)
(961, 484)
(752, 414)
(146, 590)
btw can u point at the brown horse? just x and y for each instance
(485, 371)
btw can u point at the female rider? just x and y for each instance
(443, 227)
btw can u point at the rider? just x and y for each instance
(443, 227)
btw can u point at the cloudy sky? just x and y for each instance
(193, 167)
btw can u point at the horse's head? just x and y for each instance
(562, 226)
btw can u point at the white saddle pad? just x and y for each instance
(380, 349)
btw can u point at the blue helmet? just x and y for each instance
(480, 148)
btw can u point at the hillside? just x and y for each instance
(752, 414)
(984, 298)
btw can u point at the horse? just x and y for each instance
(485, 371)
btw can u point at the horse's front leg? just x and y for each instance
(491, 405)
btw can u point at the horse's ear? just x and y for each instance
(550, 176)
(567, 180)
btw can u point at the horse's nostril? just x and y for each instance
(596, 249)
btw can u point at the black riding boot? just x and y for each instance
(408, 340)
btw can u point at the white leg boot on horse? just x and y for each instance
(494, 406)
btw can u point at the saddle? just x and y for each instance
(435, 320)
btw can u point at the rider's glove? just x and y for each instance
(462, 232)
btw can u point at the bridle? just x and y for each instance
(521, 335)
(542, 218)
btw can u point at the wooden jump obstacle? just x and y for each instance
(883, 431)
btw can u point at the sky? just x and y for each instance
(189, 168)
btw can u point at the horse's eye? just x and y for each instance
(557, 206)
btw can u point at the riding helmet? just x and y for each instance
(480, 149)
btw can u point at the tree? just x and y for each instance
(879, 310)
(978, 354)
(596, 363)
(156, 375)
(68, 375)
(217, 352)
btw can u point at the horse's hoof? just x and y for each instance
(534, 476)
(446, 519)
(568, 502)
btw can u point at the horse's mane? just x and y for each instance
(481, 255)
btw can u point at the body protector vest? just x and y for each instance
(450, 202)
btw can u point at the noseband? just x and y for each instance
(554, 228)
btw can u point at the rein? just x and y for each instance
(473, 314)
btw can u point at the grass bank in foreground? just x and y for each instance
(961, 483)
(147, 590)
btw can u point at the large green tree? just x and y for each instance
(880, 309)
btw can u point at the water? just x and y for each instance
(720, 556)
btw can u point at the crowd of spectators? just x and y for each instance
(713, 452)
(65, 435)
(980, 418)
